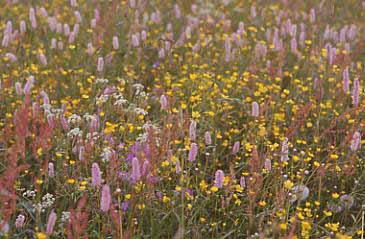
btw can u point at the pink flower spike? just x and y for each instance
(219, 178)
(105, 198)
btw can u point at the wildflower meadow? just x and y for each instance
(182, 119)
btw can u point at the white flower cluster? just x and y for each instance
(65, 216)
(29, 193)
(140, 111)
(88, 117)
(73, 133)
(47, 202)
(106, 154)
(74, 119)
(101, 81)
(119, 100)
(139, 90)
(94, 136)
(102, 99)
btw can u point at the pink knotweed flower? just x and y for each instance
(105, 199)
(53, 43)
(346, 80)
(267, 164)
(163, 102)
(95, 175)
(64, 123)
(115, 43)
(28, 86)
(100, 66)
(93, 23)
(332, 55)
(51, 222)
(43, 12)
(255, 109)
(178, 166)
(50, 120)
(208, 138)
(35, 109)
(192, 130)
(8, 28)
(253, 11)
(177, 11)
(193, 152)
(312, 16)
(347, 48)
(5, 41)
(242, 182)
(284, 150)
(22, 26)
(143, 35)
(11, 57)
(32, 18)
(97, 14)
(355, 92)
(77, 16)
(90, 49)
(227, 46)
(302, 39)
(136, 170)
(293, 45)
(236, 147)
(76, 29)
(18, 88)
(42, 59)
(132, 3)
(356, 141)
(135, 40)
(161, 53)
(66, 29)
(59, 28)
(19, 221)
(219, 178)
(73, 3)
(71, 38)
(82, 153)
(60, 45)
(51, 170)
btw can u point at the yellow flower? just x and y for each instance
(288, 184)
(71, 181)
(39, 152)
(332, 226)
(41, 235)
(283, 226)
(334, 156)
(335, 195)
(39, 181)
(165, 199)
(342, 236)
(327, 213)
(214, 189)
